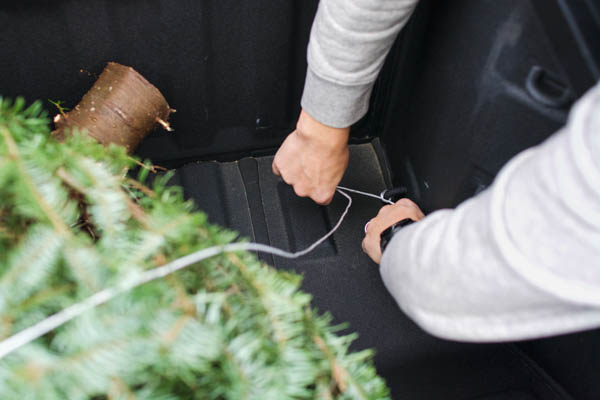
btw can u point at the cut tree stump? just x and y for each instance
(122, 108)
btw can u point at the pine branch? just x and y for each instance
(225, 328)
(13, 152)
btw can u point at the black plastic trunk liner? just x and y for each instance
(247, 197)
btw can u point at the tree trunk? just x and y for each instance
(122, 107)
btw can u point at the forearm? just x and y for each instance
(522, 259)
(348, 45)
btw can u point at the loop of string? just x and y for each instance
(28, 335)
(380, 197)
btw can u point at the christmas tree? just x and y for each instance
(73, 222)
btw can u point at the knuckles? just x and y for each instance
(364, 245)
(408, 203)
(384, 210)
(300, 191)
(322, 198)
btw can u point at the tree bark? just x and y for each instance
(122, 107)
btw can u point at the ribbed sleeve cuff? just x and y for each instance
(332, 104)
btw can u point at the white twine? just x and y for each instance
(380, 197)
(28, 335)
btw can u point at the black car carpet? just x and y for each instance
(245, 196)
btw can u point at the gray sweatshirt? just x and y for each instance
(520, 260)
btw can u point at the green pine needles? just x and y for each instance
(72, 223)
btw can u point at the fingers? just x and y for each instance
(301, 186)
(280, 158)
(371, 243)
(275, 168)
(319, 196)
(403, 208)
(386, 217)
(409, 204)
(405, 202)
(301, 190)
(371, 246)
(313, 163)
(323, 196)
(295, 175)
(384, 210)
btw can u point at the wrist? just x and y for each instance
(387, 234)
(311, 129)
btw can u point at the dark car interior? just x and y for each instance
(467, 85)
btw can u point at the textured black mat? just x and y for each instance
(247, 197)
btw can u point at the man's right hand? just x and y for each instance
(313, 158)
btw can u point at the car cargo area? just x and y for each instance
(450, 108)
(245, 196)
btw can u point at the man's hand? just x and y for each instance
(313, 159)
(387, 216)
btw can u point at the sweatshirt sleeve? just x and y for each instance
(522, 259)
(348, 44)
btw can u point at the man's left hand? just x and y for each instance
(387, 216)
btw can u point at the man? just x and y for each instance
(520, 260)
